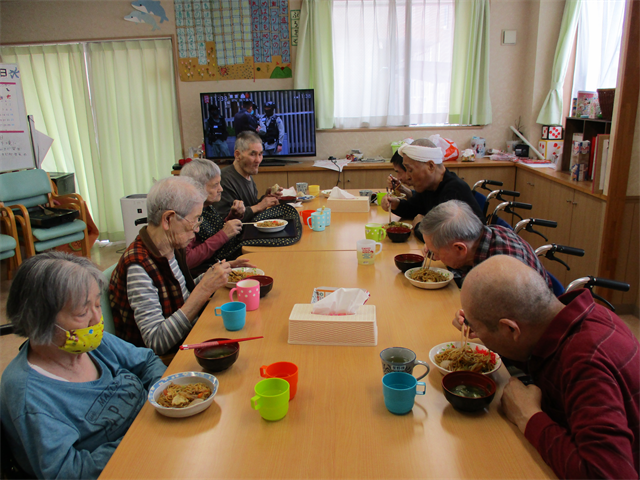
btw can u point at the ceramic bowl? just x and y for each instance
(398, 234)
(443, 346)
(249, 270)
(405, 261)
(291, 199)
(183, 378)
(266, 284)
(469, 379)
(429, 285)
(218, 358)
(277, 228)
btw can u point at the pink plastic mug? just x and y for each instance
(248, 292)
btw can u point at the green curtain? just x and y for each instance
(470, 101)
(57, 95)
(136, 116)
(314, 58)
(551, 112)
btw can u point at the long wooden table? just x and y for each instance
(346, 228)
(337, 425)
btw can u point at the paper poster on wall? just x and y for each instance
(233, 39)
(16, 150)
(295, 27)
(144, 13)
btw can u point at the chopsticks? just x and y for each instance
(214, 343)
(428, 255)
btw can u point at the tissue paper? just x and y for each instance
(344, 301)
(338, 193)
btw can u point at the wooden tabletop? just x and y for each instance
(345, 230)
(337, 425)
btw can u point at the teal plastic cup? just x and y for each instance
(400, 390)
(234, 315)
(271, 398)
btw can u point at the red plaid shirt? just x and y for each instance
(496, 240)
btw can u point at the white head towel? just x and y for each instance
(422, 154)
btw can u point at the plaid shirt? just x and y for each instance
(496, 240)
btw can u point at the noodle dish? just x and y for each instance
(429, 278)
(241, 273)
(448, 357)
(271, 226)
(183, 394)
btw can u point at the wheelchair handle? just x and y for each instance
(576, 252)
(524, 206)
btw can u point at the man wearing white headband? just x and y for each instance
(433, 183)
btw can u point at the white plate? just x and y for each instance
(279, 228)
(443, 346)
(429, 285)
(325, 193)
(183, 378)
(253, 271)
(306, 198)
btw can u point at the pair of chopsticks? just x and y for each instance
(215, 343)
(464, 335)
(427, 256)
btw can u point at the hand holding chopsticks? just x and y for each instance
(215, 343)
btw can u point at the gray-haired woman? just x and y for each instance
(71, 393)
(215, 230)
(154, 300)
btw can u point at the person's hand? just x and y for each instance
(458, 321)
(232, 228)
(216, 277)
(237, 209)
(390, 202)
(279, 149)
(241, 262)
(520, 402)
(266, 202)
(416, 221)
(277, 194)
(392, 182)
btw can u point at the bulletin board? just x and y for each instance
(16, 149)
(233, 39)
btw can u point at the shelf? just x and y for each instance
(589, 127)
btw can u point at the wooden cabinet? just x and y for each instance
(580, 218)
(268, 179)
(472, 174)
(327, 179)
(362, 178)
(589, 127)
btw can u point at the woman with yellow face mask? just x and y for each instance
(71, 393)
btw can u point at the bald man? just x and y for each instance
(582, 413)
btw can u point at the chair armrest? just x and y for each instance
(73, 196)
(70, 201)
(23, 219)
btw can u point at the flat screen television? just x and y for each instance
(284, 119)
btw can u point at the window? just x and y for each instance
(392, 62)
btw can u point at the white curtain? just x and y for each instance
(57, 95)
(392, 62)
(598, 46)
(136, 119)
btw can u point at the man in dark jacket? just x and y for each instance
(217, 133)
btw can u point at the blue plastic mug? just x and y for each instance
(327, 215)
(233, 315)
(400, 390)
(316, 221)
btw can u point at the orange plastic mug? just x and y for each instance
(306, 214)
(285, 370)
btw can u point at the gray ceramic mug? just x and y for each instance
(400, 359)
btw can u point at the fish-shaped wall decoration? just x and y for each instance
(142, 17)
(150, 6)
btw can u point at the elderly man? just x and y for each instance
(154, 300)
(237, 183)
(431, 180)
(455, 235)
(582, 413)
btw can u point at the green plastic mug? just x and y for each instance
(272, 398)
(374, 231)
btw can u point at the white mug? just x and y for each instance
(367, 251)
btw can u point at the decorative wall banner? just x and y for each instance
(233, 39)
(295, 27)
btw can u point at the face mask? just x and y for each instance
(83, 340)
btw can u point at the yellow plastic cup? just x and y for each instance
(314, 190)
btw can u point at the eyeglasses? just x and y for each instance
(193, 225)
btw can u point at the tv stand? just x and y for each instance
(277, 162)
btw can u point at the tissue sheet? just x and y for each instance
(338, 193)
(344, 301)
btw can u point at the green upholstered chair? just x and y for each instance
(107, 317)
(9, 242)
(29, 188)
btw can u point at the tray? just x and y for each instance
(52, 217)
(250, 232)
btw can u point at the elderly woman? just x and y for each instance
(72, 391)
(215, 231)
(154, 300)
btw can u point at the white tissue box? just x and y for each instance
(358, 204)
(359, 330)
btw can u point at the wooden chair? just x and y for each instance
(30, 188)
(9, 242)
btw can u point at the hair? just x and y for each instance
(504, 287)
(450, 222)
(247, 103)
(397, 160)
(43, 286)
(245, 139)
(424, 142)
(201, 170)
(180, 194)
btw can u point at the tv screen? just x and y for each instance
(284, 119)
